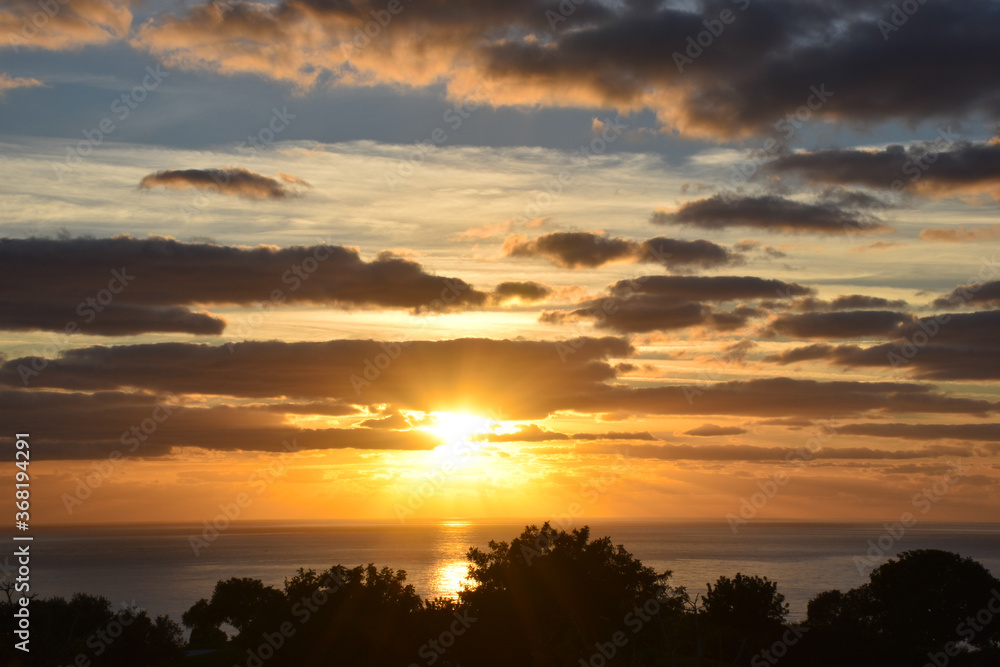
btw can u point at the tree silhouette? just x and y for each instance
(918, 605)
(746, 603)
(926, 594)
(551, 596)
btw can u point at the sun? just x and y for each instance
(457, 428)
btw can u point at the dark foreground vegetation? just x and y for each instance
(548, 598)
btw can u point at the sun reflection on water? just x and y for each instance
(449, 577)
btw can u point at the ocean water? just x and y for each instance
(156, 567)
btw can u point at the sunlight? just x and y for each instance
(449, 577)
(456, 429)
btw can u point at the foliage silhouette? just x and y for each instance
(548, 598)
(912, 608)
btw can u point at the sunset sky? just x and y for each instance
(428, 259)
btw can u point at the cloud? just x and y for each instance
(663, 303)
(711, 430)
(113, 320)
(535, 433)
(879, 246)
(92, 426)
(711, 288)
(974, 294)
(235, 181)
(840, 324)
(520, 379)
(66, 25)
(768, 212)
(779, 57)
(982, 432)
(927, 168)
(528, 291)
(141, 284)
(575, 250)
(12, 83)
(848, 302)
(753, 453)
(960, 234)
(527, 379)
(949, 346)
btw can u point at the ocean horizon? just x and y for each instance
(165, 568)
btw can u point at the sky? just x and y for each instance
(413, 260)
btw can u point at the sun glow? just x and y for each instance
(457, 429)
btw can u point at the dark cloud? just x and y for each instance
(127, 285)
(961, 346)
(778, 64)
(711, 430)
(782, 397)
(111, 320)
(236, 181)
(859, 301)
(975, 294)
(519, 379)
(526, 379)
(664, 303)
(93, 426)
(711, 288)
(528, 291)
(768, 212)
(575, 250)
(848, 302)
(937, 168)
(840, 324)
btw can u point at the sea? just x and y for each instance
(157, 568)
